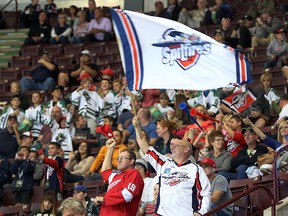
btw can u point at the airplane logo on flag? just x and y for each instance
(182, 48)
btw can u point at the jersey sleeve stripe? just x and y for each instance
(127, 195)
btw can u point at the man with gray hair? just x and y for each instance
(184, 186)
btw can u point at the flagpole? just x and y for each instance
(135, 114)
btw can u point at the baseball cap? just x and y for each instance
(61, 88)
(83, 76)
(80, 188)
(249, 129)
(108, 71)
(280, 30)
(12, 116)
(284, 97)
(27, 133)
(208, 161)
(219, 31)
(248, 17)
(86, 52)
(142, 162)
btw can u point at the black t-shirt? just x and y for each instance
(74, 81)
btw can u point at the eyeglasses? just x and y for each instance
(283, 127)
(123, 157)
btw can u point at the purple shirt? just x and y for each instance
(103, 23)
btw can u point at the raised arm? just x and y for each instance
(107, 164)
(143, 144)
(255, 129)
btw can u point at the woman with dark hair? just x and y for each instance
(72, 19)
(80, 161)
(48, 205)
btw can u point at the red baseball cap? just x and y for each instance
(86, 75)
(108, 71)
(209, 162)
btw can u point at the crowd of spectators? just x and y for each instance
(47, 145)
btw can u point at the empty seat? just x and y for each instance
(112, 46)
(9, 74)
(73, 49)
(11, 210)
(10, 19)
(95, 48)
(31, 50)
(63, 60)
(21, 61)
(53, 49)
(38, 193)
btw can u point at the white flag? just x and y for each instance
(159, 53)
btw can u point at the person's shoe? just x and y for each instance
(265, 171)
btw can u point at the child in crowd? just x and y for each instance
(148, 208)
(122, 97)
(16, 90)
(22, 185)
(88, 101)
(82, 132)
(270, 93)
(12, 109)
(108, 97)
(54, 170)
(163, 106)
(35, 114)
(234, 139)
(63, 134)
(57, 100)
(110, 121)
(39, 167)
(48, 205)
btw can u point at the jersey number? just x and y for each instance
(131, 187)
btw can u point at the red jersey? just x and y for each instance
(234, 145)
(124, 193)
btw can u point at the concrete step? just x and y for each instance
(10, 46)
(9, 52)
(3, 64)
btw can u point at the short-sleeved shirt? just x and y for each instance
(150, 129)
(219, 183)
(73, 80)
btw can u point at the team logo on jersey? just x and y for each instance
(232, 146)
(182, 48)
(167, 170)
(175, 178)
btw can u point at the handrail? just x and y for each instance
(16, 9)
(238, 196)
(275, 173)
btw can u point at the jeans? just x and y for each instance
(77, 40)
(27, 83)
(221, 212)
(62, 40)
(240, 173)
